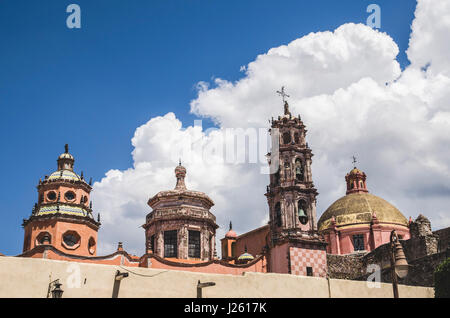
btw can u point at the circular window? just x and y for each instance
(51, 196)
(69, 195)
(71, 239)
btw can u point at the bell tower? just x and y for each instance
(291, 197)
(291, 194)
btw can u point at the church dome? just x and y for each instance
(246, 257)
(231, 234)
(175, 196)
(359, 208)
(64, 175)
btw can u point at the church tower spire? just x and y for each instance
(291, 193)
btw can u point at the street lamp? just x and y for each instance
(119, 276)
(57, 291)
(399, 265)
(200, 286)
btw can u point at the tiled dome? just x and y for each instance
(62, 209)
(246, 257)
(358, 208)
(64, 175)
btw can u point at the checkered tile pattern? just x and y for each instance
(301, 258)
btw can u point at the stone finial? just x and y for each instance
(231, 226)
(120, 246)
(66, 148)
(90, 181)
(180, 174)
(286, 109)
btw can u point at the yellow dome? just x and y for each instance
(358, 208)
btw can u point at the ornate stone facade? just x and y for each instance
(291, 197)
(182, 217)
(291, 194)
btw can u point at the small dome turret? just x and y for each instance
(231, 234)
(356, 181)
(66, 160)
(245, 257)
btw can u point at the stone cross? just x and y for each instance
(283, 94)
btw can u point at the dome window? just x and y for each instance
(358, 242)
(71, 240)
(51, 196)
(170, 244)
(70, 196)
(194, 244)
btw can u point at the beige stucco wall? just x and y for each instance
(26, 277)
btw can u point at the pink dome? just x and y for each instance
(231, 234)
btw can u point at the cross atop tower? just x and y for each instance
(354, 161)
(283, 94)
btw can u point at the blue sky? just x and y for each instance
(130, 61)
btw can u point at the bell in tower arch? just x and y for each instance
(302, 216)
(299, 171)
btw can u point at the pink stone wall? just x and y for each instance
(378, 235)
(279, 259)
(255, 241)
(259, 265)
